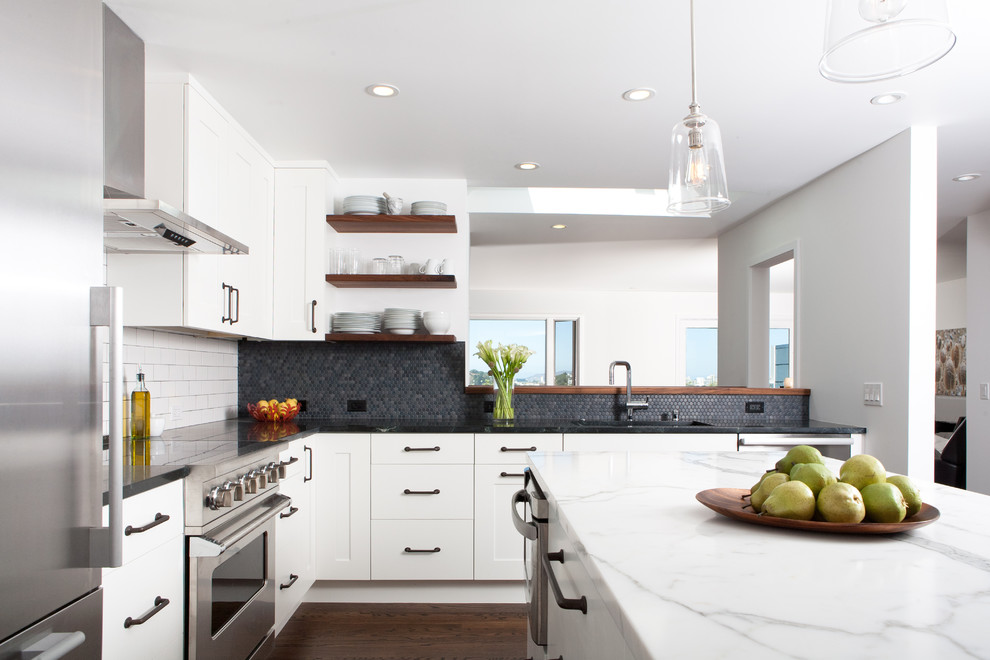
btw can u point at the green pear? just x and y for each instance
(799, 454)
(884, 503)
(862, 470)
(792, 500)
(815, 475)
(912, 496)
(760, 482)
(767, 487)
(841, 503)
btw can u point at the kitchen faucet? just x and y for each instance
(630, 404)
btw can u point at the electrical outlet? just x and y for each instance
(175, 413)
(489, 406)
(872, 394)
(303, 404)
(357, 405)
(754, 406)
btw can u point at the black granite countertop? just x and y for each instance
(180, 451)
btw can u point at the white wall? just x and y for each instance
(630, 298)
(977, 354)
(864, 241)
(415, 248)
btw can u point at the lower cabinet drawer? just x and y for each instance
(150, 518)
(422, 491)
(422, 550)
(135, 591)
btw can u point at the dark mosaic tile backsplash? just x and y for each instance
(426, 381)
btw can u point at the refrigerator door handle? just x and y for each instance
(106, 308)
(54, 645)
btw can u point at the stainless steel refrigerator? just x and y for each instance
(51, 186)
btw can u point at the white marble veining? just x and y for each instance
(682, 581)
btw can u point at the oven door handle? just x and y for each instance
(525, 528)
(210, 546)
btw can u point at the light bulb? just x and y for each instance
(697, 174)
(880, 11)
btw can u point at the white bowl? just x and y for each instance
(157, 425)
(436, 323)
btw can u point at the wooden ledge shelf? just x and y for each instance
(393, 224)
(393, 281)
(620, 390)
(385, 337)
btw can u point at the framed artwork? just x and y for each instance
(950, 362)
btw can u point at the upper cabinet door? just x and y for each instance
(206, 163)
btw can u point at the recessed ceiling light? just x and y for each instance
(638, 94)
(527, 166)
(966, 177)
(382, 90)
(887, 99)
(558, 226)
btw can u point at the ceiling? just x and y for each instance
(486, 85)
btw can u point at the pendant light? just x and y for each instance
(697, 172)
(869, 40)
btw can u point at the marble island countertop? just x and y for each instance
(681, 581)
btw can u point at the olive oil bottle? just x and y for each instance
(140, 409)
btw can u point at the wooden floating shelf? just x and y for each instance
(385, 337)
(393, 281)
(393, 224)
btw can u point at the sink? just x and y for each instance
(634, 423)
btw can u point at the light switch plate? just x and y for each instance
(872, 394)
(985, 391)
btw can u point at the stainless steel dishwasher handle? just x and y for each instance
(527, 529)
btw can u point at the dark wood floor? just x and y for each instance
(403, 631)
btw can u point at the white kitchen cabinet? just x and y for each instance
(650, 441)
(571, 633)
(295, 538)
(144, 599)
(498, 474)
(422, 488)
(200, 161)
(303, 197)
(342, 469)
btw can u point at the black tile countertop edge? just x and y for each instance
(180, 451)
(142, 478)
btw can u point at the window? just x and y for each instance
(780, 356)
(701, 356)
(552, 340)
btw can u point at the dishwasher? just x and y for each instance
(834, 445)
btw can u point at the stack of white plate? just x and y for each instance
(365, 205)
(429, 208)
(400, 321)
(357, 323)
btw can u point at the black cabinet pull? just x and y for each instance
(511, 474)
(310, 477)
(293, 510)
(435, 491)
(421, 449)
(314, 315)
(580, 603)
(518, 449)
(159, 519)
(160, 604)
(411, 550)
(226, 315)
(292, 580)
(237, 307)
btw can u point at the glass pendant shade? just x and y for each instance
(869, 40)
(697, 170)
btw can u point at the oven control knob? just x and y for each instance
(260, 476)
(272, 470)
(236, 489)
(218, 497)
(248, 485)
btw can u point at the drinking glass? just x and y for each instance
(396, 264)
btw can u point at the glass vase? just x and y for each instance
(503, 402)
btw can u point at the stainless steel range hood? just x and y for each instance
(131, 223)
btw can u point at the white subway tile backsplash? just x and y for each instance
(195, 374)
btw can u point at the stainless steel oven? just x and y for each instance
(533, 527)
(231, 565)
